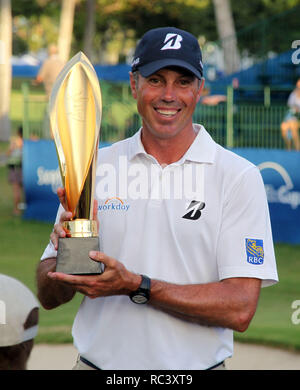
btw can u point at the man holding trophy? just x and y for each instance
(172, 272)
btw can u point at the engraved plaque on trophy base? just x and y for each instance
(73, 256)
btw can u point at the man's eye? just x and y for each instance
(153, 80)
(185, 82)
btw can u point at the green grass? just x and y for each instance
(23, 242)
(272, 322)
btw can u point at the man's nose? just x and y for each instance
(169, 92)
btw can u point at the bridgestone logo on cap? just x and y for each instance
(172, 41)
(135, 62)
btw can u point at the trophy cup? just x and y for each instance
(75, 116)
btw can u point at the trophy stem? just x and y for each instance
(81, 228)
(84, 209)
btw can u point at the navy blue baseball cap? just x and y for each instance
(167, 46)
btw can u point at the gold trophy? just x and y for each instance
(75, 107)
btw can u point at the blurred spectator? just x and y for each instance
(290, 124)
(211, 100)
(19, 312)
(14, 164)
(50, 69)
(47, 75)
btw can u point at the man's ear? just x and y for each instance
(201, 85)
(133, 85)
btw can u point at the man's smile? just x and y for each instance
(167, 112)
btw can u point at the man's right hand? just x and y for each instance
(58, 230)
(53, 293)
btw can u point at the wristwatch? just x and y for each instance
(142, 294)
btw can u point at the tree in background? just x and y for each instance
(5, 67)
(227, 35)
(89, 30)
(130, 19)
(117, 24)
(36, 24)
(39, 23)
(66, 29)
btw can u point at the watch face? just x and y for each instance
(142, 294)
(139, 298)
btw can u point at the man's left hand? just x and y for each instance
(115, 280)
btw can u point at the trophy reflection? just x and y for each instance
(75, 115)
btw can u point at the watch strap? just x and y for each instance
(145, 283)
(143, 291)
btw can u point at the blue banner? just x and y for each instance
(281, 176)
(116, 73)
(279, 170)
(41, 179)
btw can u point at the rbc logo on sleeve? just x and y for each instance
(255, 251)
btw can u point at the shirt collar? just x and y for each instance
(202, 149)
(136, 147)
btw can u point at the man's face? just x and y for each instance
(166, 101)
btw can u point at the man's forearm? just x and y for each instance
(229, 304)
(51, 293)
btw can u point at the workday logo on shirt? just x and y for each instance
(113, 204)
(255, 251)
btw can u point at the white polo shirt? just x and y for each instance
(202, 219)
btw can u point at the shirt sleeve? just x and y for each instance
(50, 250)
(245, 245)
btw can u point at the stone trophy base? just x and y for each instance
(73, 256)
